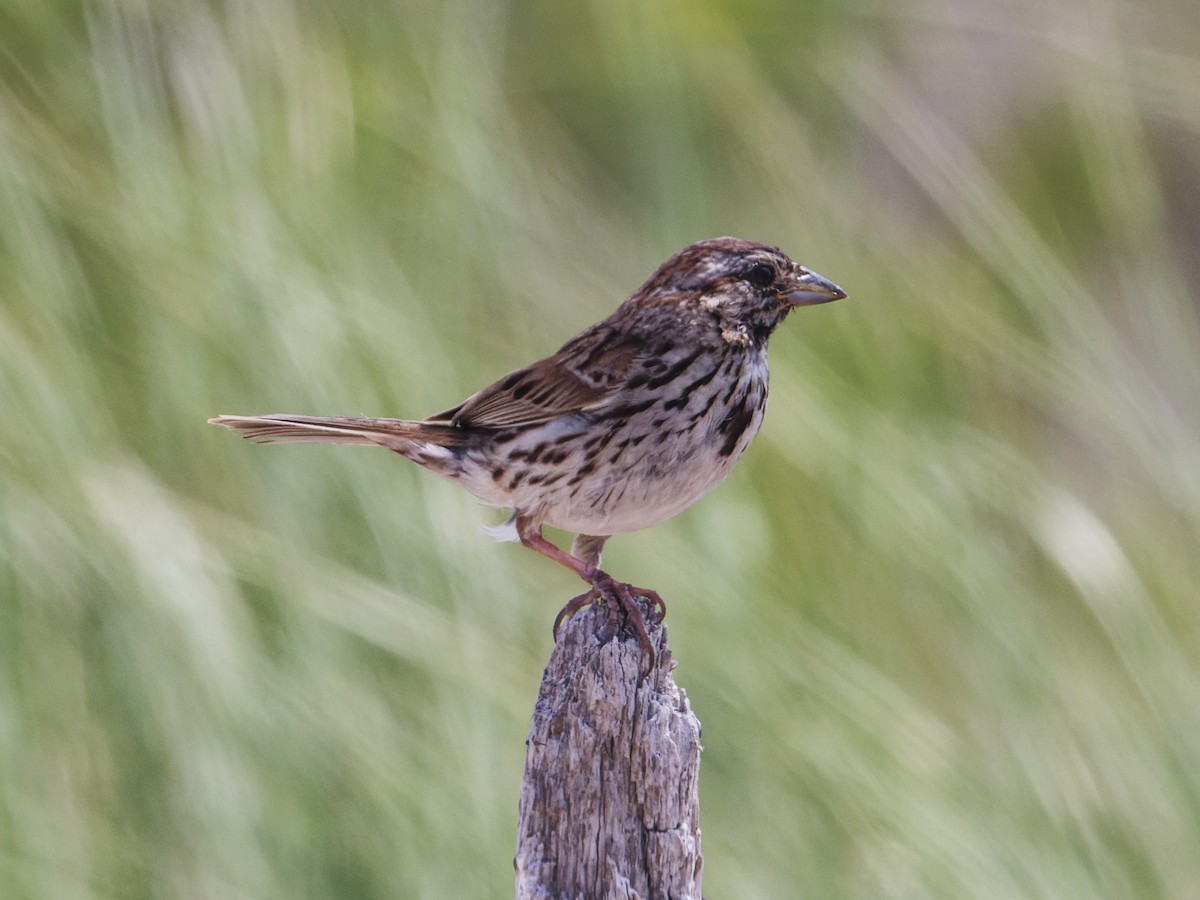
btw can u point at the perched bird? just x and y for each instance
(626, 425)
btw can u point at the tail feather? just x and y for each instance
(396, 434)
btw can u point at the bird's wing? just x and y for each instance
(580, 377)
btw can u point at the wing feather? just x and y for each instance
(582, 376)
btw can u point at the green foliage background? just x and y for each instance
(941, 625)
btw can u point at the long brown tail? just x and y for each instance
(396, 434)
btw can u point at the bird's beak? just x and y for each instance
(808, 288)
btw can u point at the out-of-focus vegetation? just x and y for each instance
(941, 626)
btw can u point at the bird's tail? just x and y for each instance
(416, 440)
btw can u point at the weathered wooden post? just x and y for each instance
(609, 801)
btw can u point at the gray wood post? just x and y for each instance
(609, 803)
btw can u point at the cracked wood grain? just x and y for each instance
(609, 804)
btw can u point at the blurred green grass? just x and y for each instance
(941, 625)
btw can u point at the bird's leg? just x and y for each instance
(621, 597)
(587, 547)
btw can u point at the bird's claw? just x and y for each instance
(573, 606)
(620, 600)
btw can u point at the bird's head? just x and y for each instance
(749, 287)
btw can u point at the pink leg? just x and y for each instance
(620, 596)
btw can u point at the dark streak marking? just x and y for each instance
(600, 441)
(675, 371)
(632, 409)
(581, 473)
(600, 348)
(734, 425)
(681, 401)
(540, 399)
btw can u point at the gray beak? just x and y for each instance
(809, 288)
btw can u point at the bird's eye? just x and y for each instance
(760, 275)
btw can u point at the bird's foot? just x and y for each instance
(620, 601)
